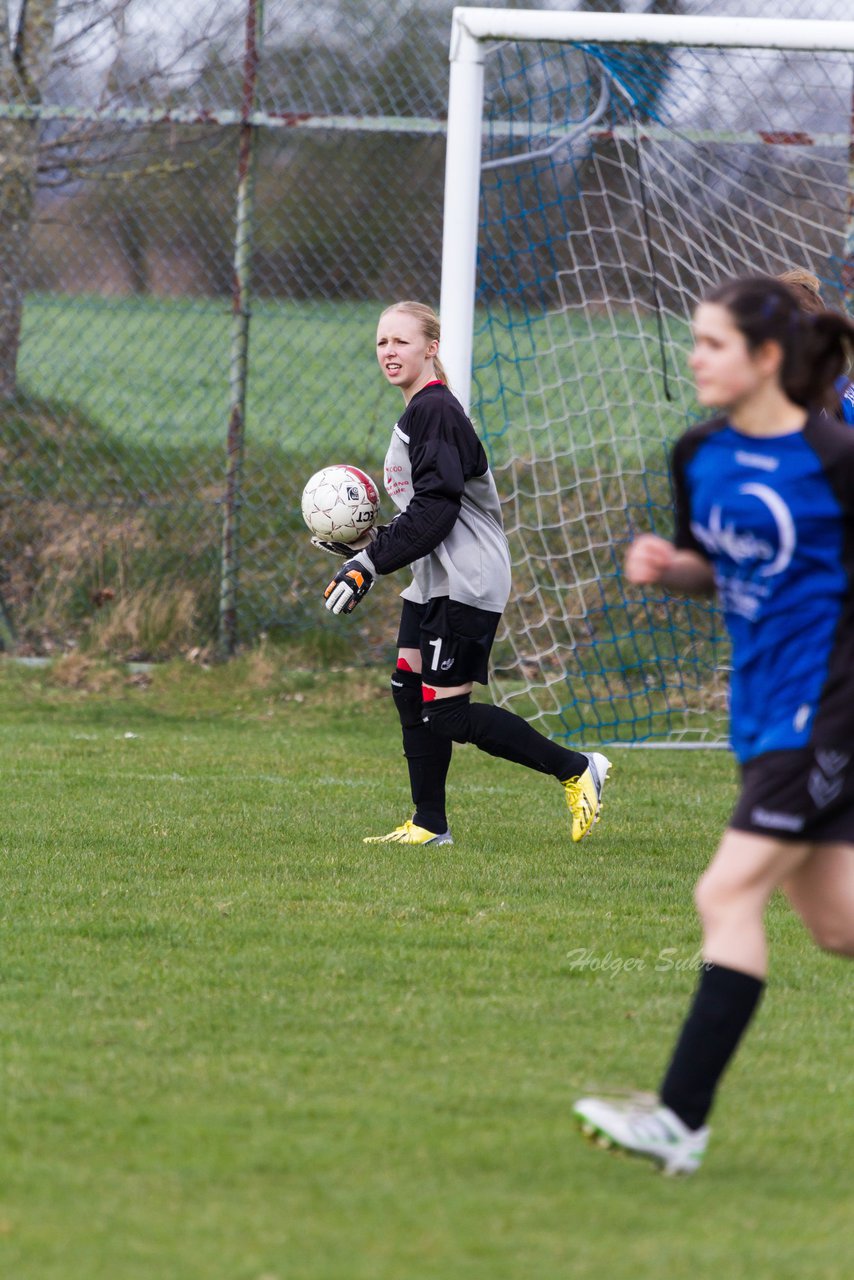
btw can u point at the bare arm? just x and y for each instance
(651, 559)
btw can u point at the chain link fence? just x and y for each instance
(203, 208)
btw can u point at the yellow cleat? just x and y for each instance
(408, 833)
(584, 794)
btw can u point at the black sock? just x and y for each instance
(724, 1003)
(501, 733)
(427, 757)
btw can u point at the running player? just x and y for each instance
(765, 514)
(449, 532)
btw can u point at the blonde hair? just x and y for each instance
(806, 287)
(429, 324)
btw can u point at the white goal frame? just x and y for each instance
(472, 30)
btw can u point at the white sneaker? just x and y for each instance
(584, 794)
(655, 1132)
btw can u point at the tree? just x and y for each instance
(57, 47)
(25, 55)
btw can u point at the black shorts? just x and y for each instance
(803, 794)
(454, 640)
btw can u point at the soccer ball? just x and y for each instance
(340, 503)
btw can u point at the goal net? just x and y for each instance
(602, 172)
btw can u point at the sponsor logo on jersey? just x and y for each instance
(720, 538)
(756, 460)
(761, 557)
(726, 539)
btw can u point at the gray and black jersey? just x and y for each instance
(449, 530)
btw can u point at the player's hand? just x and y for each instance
(648, 559)
(351, 584)
(346, 549)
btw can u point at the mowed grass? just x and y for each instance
(239, 1044)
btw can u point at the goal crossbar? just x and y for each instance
(648, 28)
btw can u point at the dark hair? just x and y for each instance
(816, 348)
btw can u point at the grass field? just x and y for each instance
(115, 461)
(240, 1045)
(154, 372)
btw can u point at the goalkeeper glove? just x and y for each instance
(346, 549)
(351, 584)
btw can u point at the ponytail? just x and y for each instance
(440, 370)
(816, 346)
(808, 377)
(429, 322)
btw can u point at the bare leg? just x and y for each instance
(731, 898)
(733, 893)
(821, 890)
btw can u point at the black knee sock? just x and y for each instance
(501, 733)
(427, 757)
(724, 1003)
(428, 760)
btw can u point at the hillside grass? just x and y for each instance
(114, 462)
(157, 371)
(240, 1044)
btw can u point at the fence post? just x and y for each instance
(240, 311)
(847, 273)
(7, 631)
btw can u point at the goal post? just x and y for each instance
(602, 171)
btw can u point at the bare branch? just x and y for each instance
(36, 26)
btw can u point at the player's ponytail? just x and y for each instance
(828, 344)
(440, 370)
(816, 347)
(429, 323)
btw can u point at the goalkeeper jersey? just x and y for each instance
(450, 530)
(775, 517)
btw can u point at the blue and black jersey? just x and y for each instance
(775, 517)
(845, 391)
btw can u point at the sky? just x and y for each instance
(177, 35)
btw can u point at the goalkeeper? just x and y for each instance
(449, 532)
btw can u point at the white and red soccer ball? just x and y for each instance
(340, 503)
